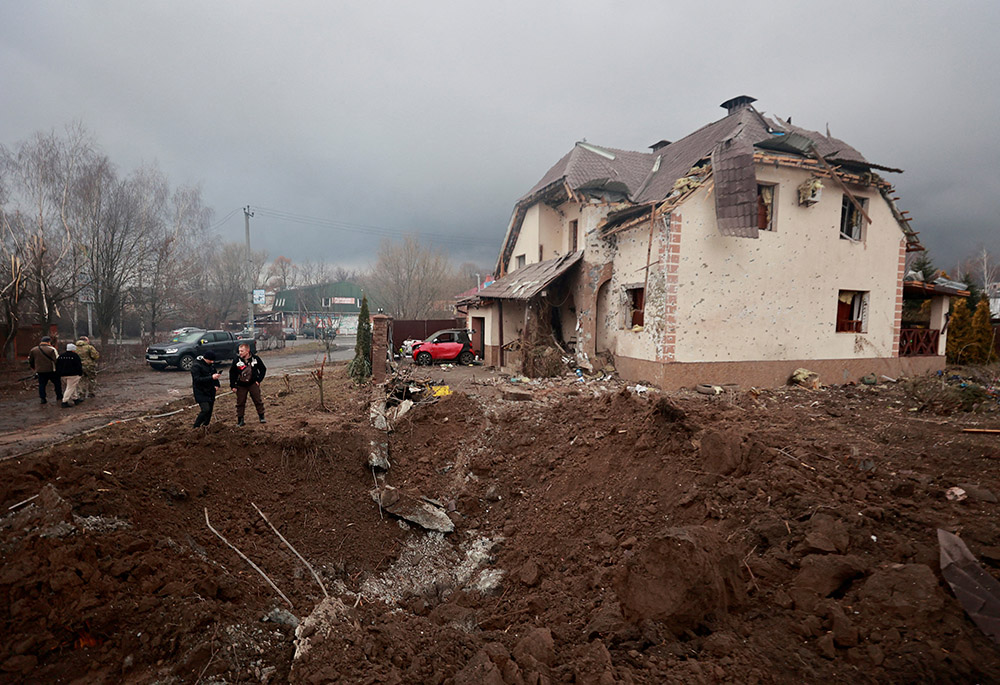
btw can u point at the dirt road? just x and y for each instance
(27, 425)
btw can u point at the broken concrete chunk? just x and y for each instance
(515, 395)
(977, 591)
(377, 415)
(413, 509)
(978, 493)
(378, 455)
(805, 378)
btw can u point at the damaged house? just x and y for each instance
(733, 255)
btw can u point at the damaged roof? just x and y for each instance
(643, 178)
(528, 281)
(649, 176)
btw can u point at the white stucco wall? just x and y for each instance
(543, 226)
(775, 297)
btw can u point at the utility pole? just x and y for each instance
(246, 215)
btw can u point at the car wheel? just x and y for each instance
(424, 358)
(466, 358)
(186, 362)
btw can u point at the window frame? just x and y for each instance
(856, 319)
(574, 233)
(850, 217)
(635, 301)
(520, 261)
(761, 204)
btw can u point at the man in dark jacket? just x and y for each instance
(69, 366)
(205, 380)
(42, 359)
(245, 376)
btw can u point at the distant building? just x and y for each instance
(735, 254)
(327, 305)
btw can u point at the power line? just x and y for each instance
(224, 219)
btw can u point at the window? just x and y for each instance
(852, 311)
(540, 254)
(326, 302)
(851, 220)
(765, 207)
(574, 240)
(519, 260)
(636, 298)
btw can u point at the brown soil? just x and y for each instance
(601, 536)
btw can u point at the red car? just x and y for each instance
(447, 345)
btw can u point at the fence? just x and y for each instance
(419, 329)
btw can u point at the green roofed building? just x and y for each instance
(327, 305)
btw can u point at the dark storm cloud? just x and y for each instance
(435, 117)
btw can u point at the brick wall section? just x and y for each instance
(670, 258)
(380, 347)
(898, 315)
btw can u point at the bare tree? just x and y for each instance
(282, 274)
(227, 276)
(167, 284)
(43, 172)
(411, 281)
(984, 266)
(315, 272)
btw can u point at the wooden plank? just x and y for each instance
(981, 430)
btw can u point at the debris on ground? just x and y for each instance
(599, 533)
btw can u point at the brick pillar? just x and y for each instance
(381, 327)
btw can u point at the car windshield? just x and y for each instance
(187, 337)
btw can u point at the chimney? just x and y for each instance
(737, 103)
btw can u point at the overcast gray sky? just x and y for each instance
(435, 117)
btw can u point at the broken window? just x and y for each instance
(574, 240)
(636, 298)
(765, 207)
(852, 311)
(519, 261)
(851, 219)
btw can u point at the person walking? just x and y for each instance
(70, 370)
(205, 380)
(245, 375)
(42, 359)
(89, 356)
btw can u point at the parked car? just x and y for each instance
(184, 329)
(311, 331)
(182, 350)
(447, 345)
(289, 333)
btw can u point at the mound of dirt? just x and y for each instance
(601, 534)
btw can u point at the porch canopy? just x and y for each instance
(528, 281)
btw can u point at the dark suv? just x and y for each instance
(182, 350)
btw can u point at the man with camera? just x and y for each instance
(204, 380)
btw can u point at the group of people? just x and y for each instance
(245, 376)
(73, 373)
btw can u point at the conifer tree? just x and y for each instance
(360, 367)
(981, 334)
(959, 329)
